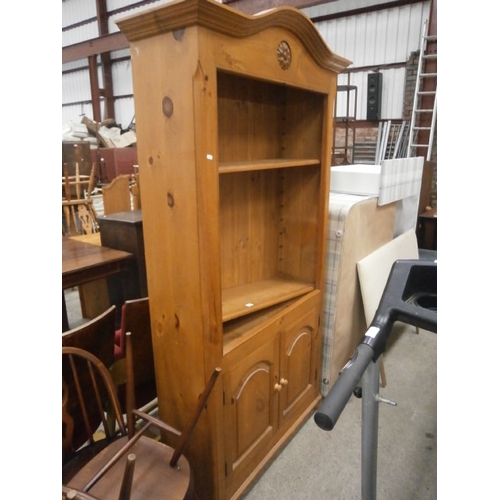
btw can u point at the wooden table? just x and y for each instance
(94, 296)
(84, 263)
(94, 238)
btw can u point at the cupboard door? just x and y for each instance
(250, 411)
(299, 365)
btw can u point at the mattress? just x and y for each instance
(357, 226)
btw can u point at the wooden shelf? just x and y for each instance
(240, 329)
(247, 166)
(246, 299)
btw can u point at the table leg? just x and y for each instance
(94, 298)
(65, 322)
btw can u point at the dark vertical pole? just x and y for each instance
(369, 430)
(94, 88)
(107, 79)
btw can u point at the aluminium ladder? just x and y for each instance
(424, 97)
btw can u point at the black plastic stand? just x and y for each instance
(410, 296)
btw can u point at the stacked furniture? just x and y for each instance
(234, 132)
(113, 162)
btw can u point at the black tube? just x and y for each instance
(408, 279)
(333, 404)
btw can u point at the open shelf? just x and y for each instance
(246, 299)
(270, 144)
(243, 328)
(251, 165)
(260, 123)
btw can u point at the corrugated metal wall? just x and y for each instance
(385, 37)
(76, 85)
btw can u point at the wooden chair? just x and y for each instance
(156, 470)
(96, 336)
(137, 320)
(116, 196)
(78, 209)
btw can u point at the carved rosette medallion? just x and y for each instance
(284, 55)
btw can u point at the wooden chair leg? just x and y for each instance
(128, 477)
(73, 229)
(186, 434)
(93, 218)
(67, 219)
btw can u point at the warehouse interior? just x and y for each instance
(433, 403)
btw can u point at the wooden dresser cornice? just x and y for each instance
(226, 20)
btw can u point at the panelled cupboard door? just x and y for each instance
(251, 403)
(269, 382)
(299, 366)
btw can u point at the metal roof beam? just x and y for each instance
(100, 45)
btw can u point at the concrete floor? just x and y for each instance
(323, 465)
